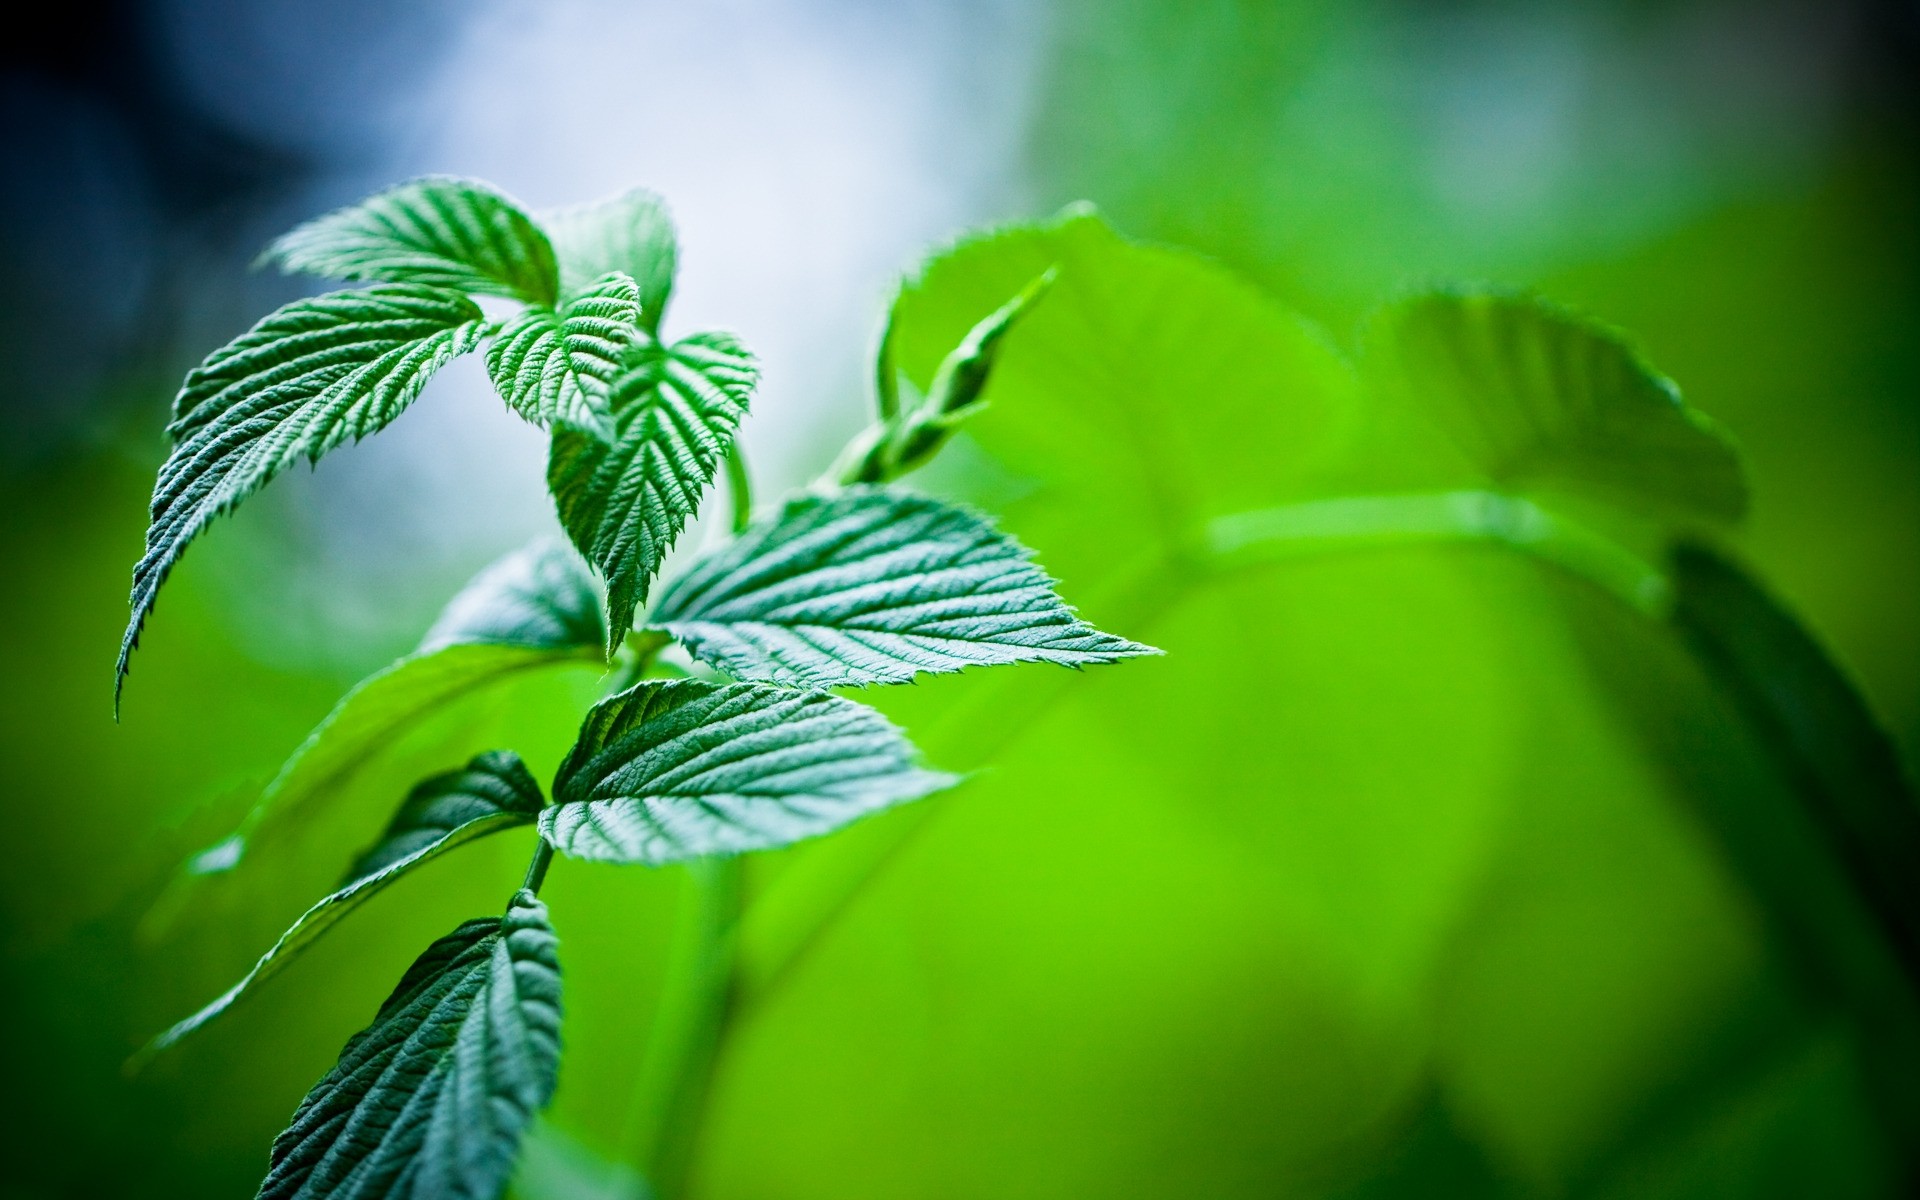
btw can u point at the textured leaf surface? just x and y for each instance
(874, 586)
(555, 368)
(533, 609)
(678, 769)
(1537, 398)
(632, 233)
(491, 793)
(455, 233)
(431, 1100)
(624, 502)
(310, 377)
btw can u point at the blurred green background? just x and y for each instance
(1401, 875)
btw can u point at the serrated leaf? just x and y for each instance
(556, 368)
(491, 793)
(431, 1100)
(310, 377)
(678, 769)
(624, 502)
(455, 233)
(632, 232)
(530, 610)
(1539, 399)
(874, 586)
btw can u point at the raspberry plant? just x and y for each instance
(852, 583)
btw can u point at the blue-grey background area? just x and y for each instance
(1735, 183)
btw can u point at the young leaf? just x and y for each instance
(555, 368)
(632, 233)
(491, 793)
(874, 586)
(624, 502)
(677, 769)
(315, 374)
(431, 1100)
(534, 609)
(1538, 398)
(454, 233)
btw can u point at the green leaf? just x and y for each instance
(1815, 723)
(491, 793)
(541, 596)
(455, 233)
(1536, 398)
(533, 609)
(874, 586)
(632, 233)
(310, 377)
(431, 1100)
(624, 502)
(678, 769)
(555, 368)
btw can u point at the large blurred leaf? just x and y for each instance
(1536, 398)
(624, 501)
(632, 233)
(673, 770)
(431, 1100)
(491, 793)
(454, 233)
(874, 586)
(314, 375)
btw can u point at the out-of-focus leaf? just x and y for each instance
(624, 502)
(1536, 398)
(491, 793)
(673, 770)
(541, 596)
(431, 1100)
(555, 368)
(1814, 721)
(633, 233)
(454, 233)
(311, 376)
(874, 586)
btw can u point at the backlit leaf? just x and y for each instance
(632, 233)
(624, 502)
(555, 368)
(431, 1100)
(310, 377)
(874, 586)
(677, 769)
(455, 233)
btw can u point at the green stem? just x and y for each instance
(670, 1097)
(739, 488)
(537, 869)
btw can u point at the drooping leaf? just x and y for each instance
(556, 367)
(624, 502)
(1537, 398)
(491, 793)
(431, 1100)
(455, 233)
(533, 609)
(632, 232)
(495, 785)
(310, 377)
(677, 769)
(874, 586)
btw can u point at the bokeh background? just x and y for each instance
(1414, 917)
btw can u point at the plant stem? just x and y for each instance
(537, 869)
(739, 488)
